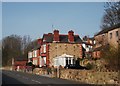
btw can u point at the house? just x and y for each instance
(19, 63)
(88, 44)
(105, 38)
(53, 46)
(30, 55)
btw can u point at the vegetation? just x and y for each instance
(112, 57)
(111, 15)
(89, 66)
(15, 46)
(110, 19)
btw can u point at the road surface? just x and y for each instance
(20, 78)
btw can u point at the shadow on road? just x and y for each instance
(9, 81)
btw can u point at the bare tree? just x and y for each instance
(11, 48)
(16, 46)
(111, 15)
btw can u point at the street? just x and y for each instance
(20, 78)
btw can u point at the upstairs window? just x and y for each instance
(116, 33)
(44, 48)
(110, 35)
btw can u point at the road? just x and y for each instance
(20, 78)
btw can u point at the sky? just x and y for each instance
(0, 20)
(37, 18)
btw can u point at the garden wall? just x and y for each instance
(86, 76)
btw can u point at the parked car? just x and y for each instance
(74, 66)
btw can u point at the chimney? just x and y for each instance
(56, 35)
(71, 36)
(40, 41)
(49, 34)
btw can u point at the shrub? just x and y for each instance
(89, 66)
(112, 57)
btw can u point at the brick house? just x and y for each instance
(54, 45)
(19, 63)
(105, 38)
(88, 44)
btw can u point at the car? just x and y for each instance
(74, 66)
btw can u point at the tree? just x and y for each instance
(11, 48)
(15, 46)
(111, 15)
(26, 40)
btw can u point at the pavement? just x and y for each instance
(21, 78)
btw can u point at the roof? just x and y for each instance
(98, 49)
(36, 47)
(92, 38)
(105, 47)
(48, 38)
(62, 38)
(108, 29)
(63, 56)
(87, 43)
(20, 59)
(85, 38)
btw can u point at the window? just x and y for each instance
(44, 48)
(35, 53)
(116, 33)
(110, 35)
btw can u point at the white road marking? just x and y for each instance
(35, 81)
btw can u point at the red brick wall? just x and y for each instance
(40, 41)
(20, 63)
(47, 54)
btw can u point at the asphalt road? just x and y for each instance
(20, 78)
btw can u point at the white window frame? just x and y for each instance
(44, 48)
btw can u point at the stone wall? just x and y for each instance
(57, 49)
(52, 72)
(85, 76)
(90, 76)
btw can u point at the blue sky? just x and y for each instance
(37, 18)
(0, 20)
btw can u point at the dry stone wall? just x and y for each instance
(90, 76)
(85, 76)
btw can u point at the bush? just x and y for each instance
(89, 66)
(112, 57)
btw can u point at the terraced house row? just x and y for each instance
(105, 38)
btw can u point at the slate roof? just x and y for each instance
(62, 38)
(85, 38)
(108, 29)
(20, 59)
(48, 38)
(37, 47)
(106, 47)
(77, 39)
